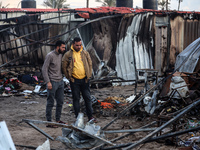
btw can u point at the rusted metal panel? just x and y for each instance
(177, 38)
(192, 31)
(184, 32)
(161, 43)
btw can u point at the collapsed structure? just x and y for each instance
(120, 39)
(123, 43)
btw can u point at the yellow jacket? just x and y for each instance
(68, 64)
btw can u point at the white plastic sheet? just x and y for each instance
(6, 142)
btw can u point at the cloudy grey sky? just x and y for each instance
(186, 5)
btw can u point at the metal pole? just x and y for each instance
(131, 130)
(23, 36)
(41, 131)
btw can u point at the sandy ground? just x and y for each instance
(15, 108)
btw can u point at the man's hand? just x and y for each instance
(49, 86)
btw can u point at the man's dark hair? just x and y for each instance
(76, 39)
(59, 43)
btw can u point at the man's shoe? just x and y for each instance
(61, 122)
(92, 120)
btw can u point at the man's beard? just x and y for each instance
(77, 50)
(59, 51)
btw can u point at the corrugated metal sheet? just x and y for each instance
(177, 37)
(134, 49)
(183, 32)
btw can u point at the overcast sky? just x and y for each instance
(186, 5)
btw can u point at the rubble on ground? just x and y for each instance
(164, 103)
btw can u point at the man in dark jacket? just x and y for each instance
(77, 67)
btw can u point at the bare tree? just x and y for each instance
(111, 3)
(1, 5)
(56, 3)
(179, 3)
(164, 4)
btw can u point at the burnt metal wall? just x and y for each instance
(104, 42)
(27, 39)
(135, 47)
(124, 44)
(144, 41)
(14, 44)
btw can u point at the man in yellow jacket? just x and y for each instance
(77, 67)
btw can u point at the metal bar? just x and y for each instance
(130, 130)
(19, 37)
(163, 126)
(45, 122)
(29, 147)
(41, 131)
(108, 81)
(30, 22)
(173, 134)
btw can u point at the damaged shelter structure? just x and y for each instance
(158, 50)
